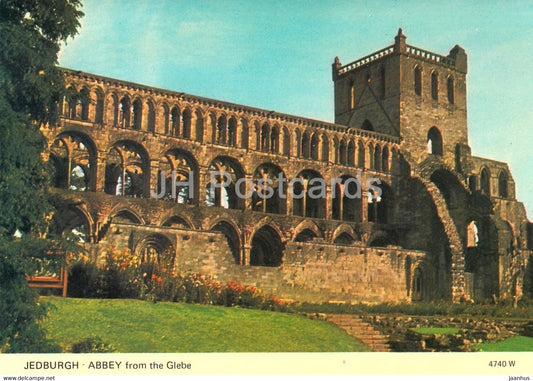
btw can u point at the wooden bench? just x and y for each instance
(41, 281)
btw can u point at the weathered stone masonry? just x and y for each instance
(447, 224)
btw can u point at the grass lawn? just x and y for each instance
(139, 326)
(512, 344)
(437, 330)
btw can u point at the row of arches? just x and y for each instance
(137, 113)
(126, 171)
(266, 243)
(434, 82)
(483, 183)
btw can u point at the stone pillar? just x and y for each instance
(152, 179)
(245, 254)
(100, 171)
(193, 125)
(329, 202)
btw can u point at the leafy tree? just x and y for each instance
(31, 87)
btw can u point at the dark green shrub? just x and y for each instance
(92, 345)
(20, 310)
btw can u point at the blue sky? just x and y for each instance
(277, 55)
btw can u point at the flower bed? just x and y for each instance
(123, 276)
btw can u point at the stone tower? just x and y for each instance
(405, 91)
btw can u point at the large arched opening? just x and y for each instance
(267, 248)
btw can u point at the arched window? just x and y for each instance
(360, 154)
(274, 140)
(272, 176)
(325, 148)
(347, 203)
(380, 208)
(199, 126)
(367, 126)
(223, 195)
(335, 150)
(232, 132)
(137, 114)
(166, 120)
(99, 109)
(245, 134)
(503, 185)
(377, 158)
(352, 94)
(265, 137)
(186, 124)
(125, 111)
(85, 100)
(485, 182)
(175, 122)
(351, 153)
(151, 117)
(472, 235)
(371, 156)
(418, 81)
(222, 126)
(286, 142)
(314, 147)
(342, 152)
(180, 165)
(232, 238)
(126, 170)
(298, 141)
(434, 142)
(266, 248)
(308, 194)
(451, 96)
(434, 85)
(74, 161)
(305, 145)
(385, 160)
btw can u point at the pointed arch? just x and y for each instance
(232, 132)
(186, 120)
(266, 247)
(360, 154)
(232, 234)
(484, 182)
(175, 121)
(325, 148)
(314, 147)
(434, 141)
(451, 90)
(286, 142)
(418, 80)
(503, 184)
(435, 85)
(367, 126)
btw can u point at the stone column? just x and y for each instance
(100, 171)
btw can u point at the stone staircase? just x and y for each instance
(356, 327)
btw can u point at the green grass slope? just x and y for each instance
(138, 326)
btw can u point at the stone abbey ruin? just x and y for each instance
(446, 224)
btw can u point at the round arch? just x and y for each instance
(232, 234)
(266, 247)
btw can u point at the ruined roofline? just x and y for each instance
(270, 114)
(487, 160)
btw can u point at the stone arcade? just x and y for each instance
(447, 224)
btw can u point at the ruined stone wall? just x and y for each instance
(313, 272)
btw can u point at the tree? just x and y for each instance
(31, 87)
